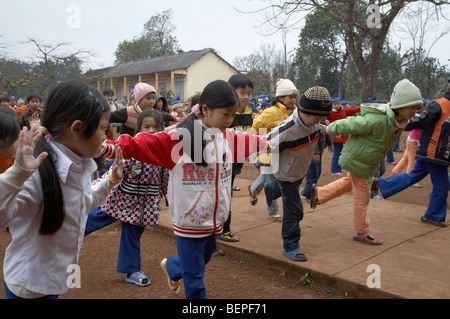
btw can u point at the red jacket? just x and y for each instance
(199, 196)
(339, 115)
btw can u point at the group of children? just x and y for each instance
(49, 201)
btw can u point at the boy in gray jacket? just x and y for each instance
(294, 140)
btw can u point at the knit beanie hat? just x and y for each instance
(285, 87)
(316, 101)
(405, 94)
(141, 90)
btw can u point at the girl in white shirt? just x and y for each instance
(46, 215)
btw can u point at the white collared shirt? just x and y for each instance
(39, 263)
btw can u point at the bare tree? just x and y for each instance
(366, 23)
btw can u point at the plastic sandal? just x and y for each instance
(138, 278)
(253, 198)
(368, 239)
(275, 218)
(295, 255)
(229, 237)
(432, 222)
(174, 286)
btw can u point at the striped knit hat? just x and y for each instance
(141, 90)
(316, 101)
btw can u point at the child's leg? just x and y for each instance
(361, 196)
(129, 260)
(189, 264)
(312, 176)
(337, 149)
(258, 184)
(292, 214)
(97, 220)
(272, 191)
(412, 150)
(437, 207)
(394, 184)
(334, 189)
(403, 162)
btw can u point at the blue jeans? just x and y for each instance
(129, 259)
(312, 176)
(437, 207)
(337, 150)
(292, 210)
(190, 263)
(390, 157)
(397, 146)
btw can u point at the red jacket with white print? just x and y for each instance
(199, 196)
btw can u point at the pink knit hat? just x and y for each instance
(141, 90)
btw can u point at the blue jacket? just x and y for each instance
(434, 121)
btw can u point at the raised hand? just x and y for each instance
(25, 149)
(117, 166)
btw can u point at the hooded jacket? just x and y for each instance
(204, 205)
(271, 117)
(371, 137)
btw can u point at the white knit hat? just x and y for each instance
(405, 94)
(285, 87)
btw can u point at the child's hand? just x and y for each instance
(25, 149)
(323, 128)
(117, 166)
(35, 121)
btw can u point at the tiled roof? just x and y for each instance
(154, 65)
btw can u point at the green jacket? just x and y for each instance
(371, 138)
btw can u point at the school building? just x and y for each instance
(185, 74)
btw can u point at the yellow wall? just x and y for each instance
(209, 68)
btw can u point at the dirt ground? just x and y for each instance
(227, 277)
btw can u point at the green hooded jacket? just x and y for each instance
(371, 138)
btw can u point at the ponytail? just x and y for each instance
(53, 215)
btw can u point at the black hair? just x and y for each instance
(240, 80)
(195, 100)
(149, 113)
(67, 102)
(33, 96)
(165, 107)
(217, 94)
(108, 91)
(9, 129)
(9, 111)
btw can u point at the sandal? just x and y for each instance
(374, 187)
(229, 237)
(314, 196)
(138, 278)
(432, 222)
(253, 197)
(368, 239)
(275, 218)
(295, 255)
(174, 286)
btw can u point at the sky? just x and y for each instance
(100, 25)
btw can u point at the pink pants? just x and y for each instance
(409, 158)
(361, 196)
